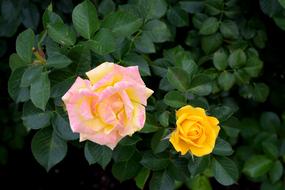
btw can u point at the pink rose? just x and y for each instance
(108, 106)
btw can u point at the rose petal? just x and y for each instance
(179, 145)
(135, 123)
(201, 151)
(110, 140)
(79, 124)
(100, 71)
(78, 84)
(130, 73)
(106, 113)
(127, 104)
(191, 111)
(85, 110)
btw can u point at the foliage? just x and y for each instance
(203, 53)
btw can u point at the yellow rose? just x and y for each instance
(195, 132)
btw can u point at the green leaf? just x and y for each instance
(34, 118)
(106, 7)
(249, 127)
(257, 166)
(8, 10)
(190, 67)
(10, 24)
(209, 26)
(223, 113)
(144, 44)
(177, 169)
(127, 169)
(270, 149)
(211, 43)
(177, 78)
(62, 34)
(260, 39)
(158, 143)
(60, 88)
(40, 91)
(253, 66)
(192, 6)
(237, 59)
(279, 21)
(156, 9)
(123, 153)
(142, 177)
(157, 31)
(241, 76)
(176, 56)
(16, 62)
(177, 17)
(24, 45)
(198, 165)
(153, 162)
(201, 85)
(48, 148)
(150, 125)
(103, 42)
(95, 153)
(226, 80)
(174, 99)
(260, 92)
(246, 91)
(232, 127)
(148, 9)
(17, 93)
(200, 183)
(282, 3)
(51, 18)
(222, 148)
(198, 20)
(165, 85)
(270, 8)
(137, 60)
(215, 7)
(122, 23)
(193, 39)
(270, 121)
(81, 56)
(58, 61)
(202, 90)
(130, 140)
(225, 170)
(164, 118)
(85, 20)
(52, 47)
(229, 29)
(30, 16)
(220, 60)
(161, 181)
(276, 171)
(62, 128)
(30, 75)
(266, 185)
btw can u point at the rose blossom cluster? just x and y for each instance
(110, 105)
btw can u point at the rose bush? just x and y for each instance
(206, 54)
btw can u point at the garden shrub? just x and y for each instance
(206, 54)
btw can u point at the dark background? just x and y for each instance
(18, 167)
